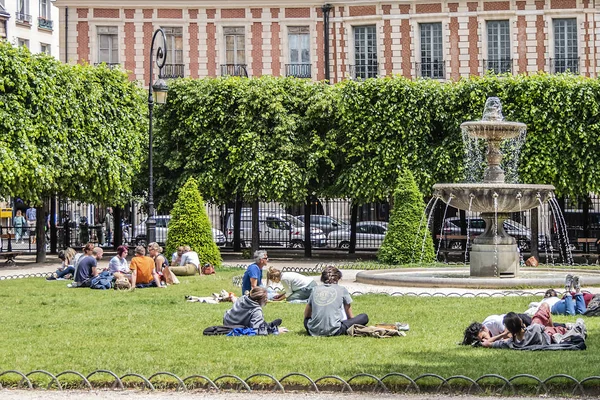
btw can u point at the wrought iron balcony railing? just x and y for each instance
(498, 66)
(558, 65)
(44, 23)
(431, 69)
(23, 18)
(170, 71)
(234, 70)
(298, 70)
(364, 71)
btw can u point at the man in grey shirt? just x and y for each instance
(329, 310)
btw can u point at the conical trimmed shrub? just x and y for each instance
(190, 225)
(403, 241)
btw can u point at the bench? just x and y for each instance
(585, 243)
(10, 256)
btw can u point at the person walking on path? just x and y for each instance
(109, 226)
(31, 215)
(19, 223)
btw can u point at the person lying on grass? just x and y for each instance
(541, 331)
(247, 311)
(328, 312)
(297, 287)
(566, 305)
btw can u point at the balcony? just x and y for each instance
(298, 70)
(172, 71)
(364, 71)
(498, 66)
(108, 65)
(431, 69)
(558, 65)
(44, 23)
(22, 18)
(234, 70)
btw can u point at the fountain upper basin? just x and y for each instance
(493, 130)
(479, 197)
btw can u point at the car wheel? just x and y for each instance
(297, 244)
(344, 245)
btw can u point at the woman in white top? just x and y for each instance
(297, 286)
(119, 262)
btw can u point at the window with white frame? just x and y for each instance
(235, 51)
(23, 42)
(174, 63)
(498, 36)
(566, 56)
(299, 52)
(45, 9)
(432, 51)
(365, 52)
(108, 45)
(45, 48)
(22, 14)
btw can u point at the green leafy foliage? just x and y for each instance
(69, 130)
(408, 238)
(190, 225)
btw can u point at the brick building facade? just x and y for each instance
(414, 38)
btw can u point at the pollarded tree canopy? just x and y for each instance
(190, 226)
(71, 130)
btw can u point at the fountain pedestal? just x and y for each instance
(494, 252)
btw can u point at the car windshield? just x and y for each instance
(292, 220)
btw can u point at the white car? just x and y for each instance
(369, 235)
(162, 227)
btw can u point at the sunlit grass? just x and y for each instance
(47, 326)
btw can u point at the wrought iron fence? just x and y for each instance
(364, 71)
(21, 17)
(45, 23)
(170, 71)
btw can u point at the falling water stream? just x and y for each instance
(442, 228)
(471, 197)
(428, 214)
(563, 235)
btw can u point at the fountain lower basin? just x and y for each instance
(481, 197)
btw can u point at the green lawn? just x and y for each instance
(47, 326)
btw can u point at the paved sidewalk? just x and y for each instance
(26, 265)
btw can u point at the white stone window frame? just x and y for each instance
(184, 44)
(95, 40)
(445, 24)
(221, 44)
(357, 22)
(579, 21)
(513, 31)
(285, 46)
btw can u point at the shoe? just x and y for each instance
(580, 327)
(568, 283)
(187, 297)
(401, 326)
(60, 279)
(576, 283)
(51, 278)
(569, 326)
(557, 338)
(276, 322)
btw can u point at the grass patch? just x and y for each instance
(47, 326)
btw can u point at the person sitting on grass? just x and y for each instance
(297, 287)
(118, 264)
(189, 264)
(66, 269)
(564, 306)
(87, 268)
(329, 310)
(253, 275)
(176, 257)
(247, 311)
(142, 270)
(541, 332)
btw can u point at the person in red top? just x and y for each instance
(142, 269)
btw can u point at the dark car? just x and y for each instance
(324, 223)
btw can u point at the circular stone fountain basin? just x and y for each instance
(479, 197)
(493, 130)
(459, 278)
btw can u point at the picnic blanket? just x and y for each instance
(373, 331)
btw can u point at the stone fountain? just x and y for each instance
(494, 253)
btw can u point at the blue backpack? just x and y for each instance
(102, 281)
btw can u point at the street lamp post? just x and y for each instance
(160, 91)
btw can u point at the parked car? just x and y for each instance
(369, 235)
(324, 223)
(452, 226)
(276, 229)
(162, 228)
